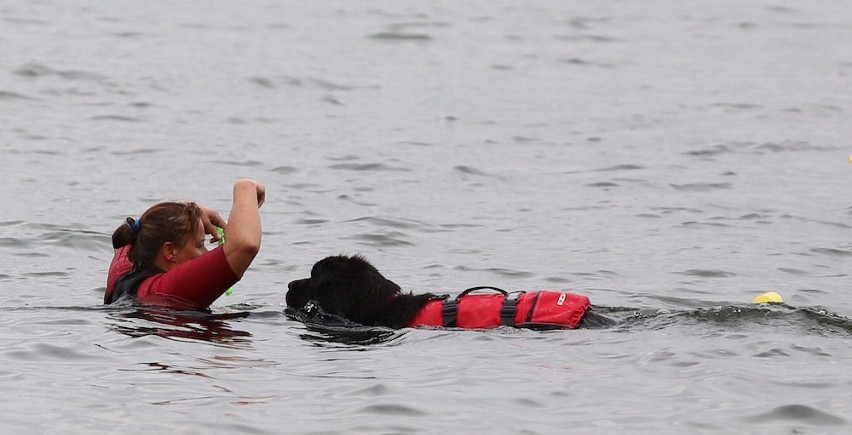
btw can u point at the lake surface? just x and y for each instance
(670, 160)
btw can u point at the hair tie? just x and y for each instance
(133, 224)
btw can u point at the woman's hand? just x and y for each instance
(211, 219)
(260, 189)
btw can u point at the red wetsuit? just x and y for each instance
(191, 285)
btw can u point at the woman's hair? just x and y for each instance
(165, 222)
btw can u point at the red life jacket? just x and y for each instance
(544, 309)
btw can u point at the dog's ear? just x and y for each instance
(329, 285)
(371, 292)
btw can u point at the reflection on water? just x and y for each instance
(156, 366)
(180, 324)
(328, 328)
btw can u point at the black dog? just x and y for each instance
(350, 287)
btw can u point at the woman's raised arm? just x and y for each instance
(242, 234)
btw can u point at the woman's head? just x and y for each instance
(175, 226)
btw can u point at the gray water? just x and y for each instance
(671, 160)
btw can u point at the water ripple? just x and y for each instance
(388, 239)
(244, 163)
(39, 70)
(469, 170)
(391, 409)
(284, 170)
(408, 224)
(833, 252)
(799, 272)
(366, 167)
(701, 187)
(7, 95)
(142, 150)
(122, 118)
(802, 414)
(399, 36)
(622, 167)
(42, 352)
(708, 273)
(497, 271)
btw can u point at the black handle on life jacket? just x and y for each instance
(483, 287)
(507, 311)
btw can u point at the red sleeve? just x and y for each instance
(192, 285)
(119, 266)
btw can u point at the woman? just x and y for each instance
(161, 260)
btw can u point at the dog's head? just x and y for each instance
(349, 287)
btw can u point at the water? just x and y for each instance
(670, 160)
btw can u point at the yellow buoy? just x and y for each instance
(768, 297)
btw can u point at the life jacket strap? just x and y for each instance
(449, 311)
(508, 312)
